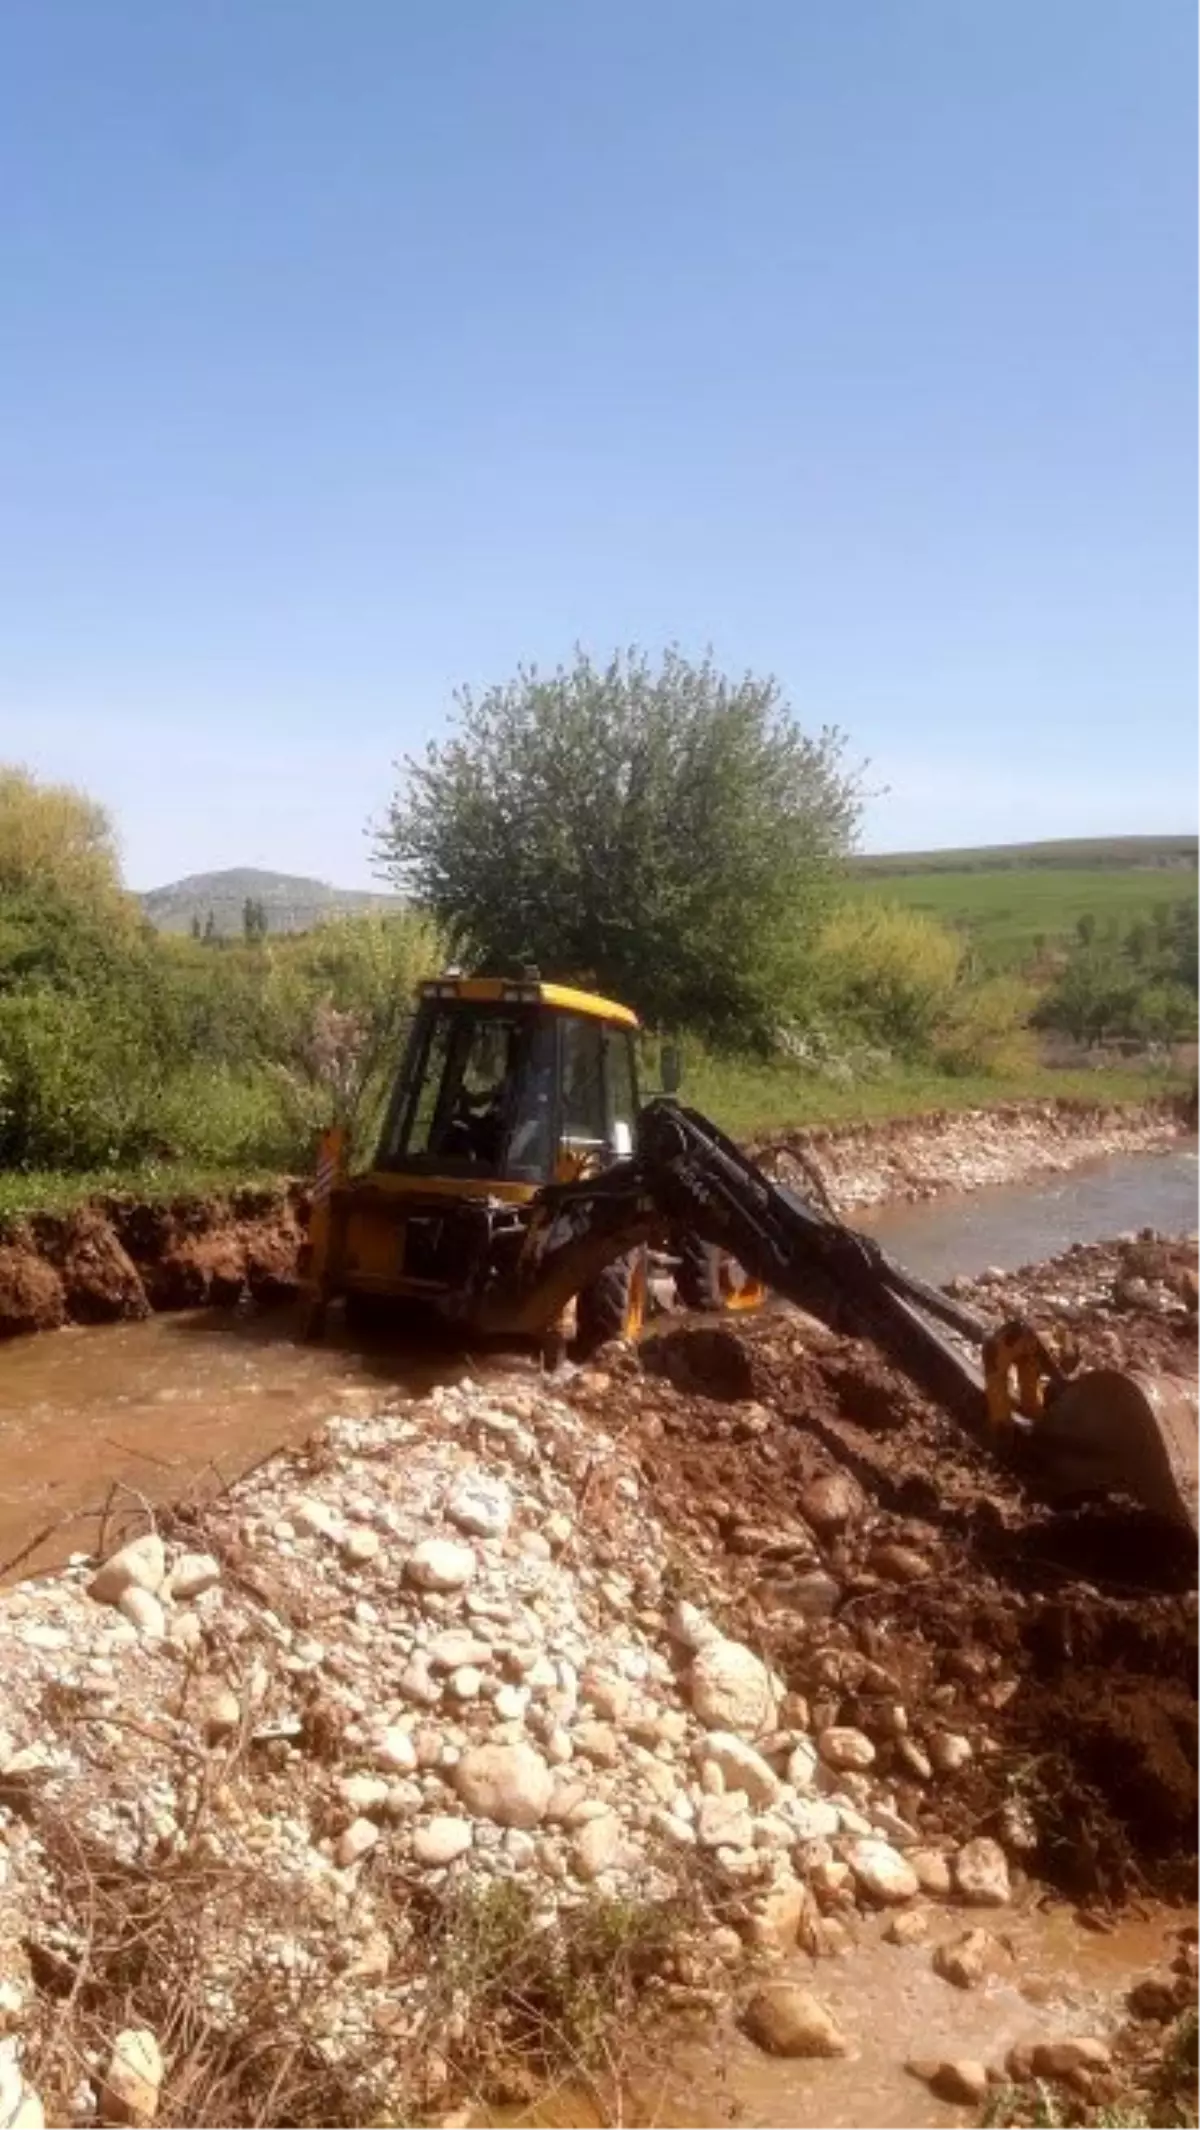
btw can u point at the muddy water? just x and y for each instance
(95, 1418)
(1010, 1225)
(1065, 1980)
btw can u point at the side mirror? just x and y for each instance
(670, 1069)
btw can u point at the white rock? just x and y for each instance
(480, 1505)
(140, 1565)
(360, 1836)
(316, 1516)
(690, 1627)
(360, 1545)
(185, 1632)
(981, 1874)
(142, 1609)
(192, 1575)
(725, 1822)
(883, 1874)
(742, 1767)
(510, 1784)
(596, 1846)
(813, 1818)
(363, 1794)
(415, 1684)
(440, 1840)
(133, 2080)
(802, 1765)
(456, 1646)
(440, 1564)
(394, 1749)
(466, 1682)
(608, 1694)
(932, 1870)
(510, 1703)
(731, 1690)
(840, 1746)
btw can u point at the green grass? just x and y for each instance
(53, 1191)
(1012, 916)
(1063, 855)
(746, 1097)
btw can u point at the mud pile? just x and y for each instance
(122, 1258)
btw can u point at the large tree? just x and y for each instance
(651, 827)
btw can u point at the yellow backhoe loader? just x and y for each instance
(519, 1180)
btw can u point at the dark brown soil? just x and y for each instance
(1062, 1645)
(120, 1258)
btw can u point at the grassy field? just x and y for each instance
(1014, 915)
(1088, 853)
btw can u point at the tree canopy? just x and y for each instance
(653, 828)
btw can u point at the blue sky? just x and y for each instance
(350, 349)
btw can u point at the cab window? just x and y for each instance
(584, 1122)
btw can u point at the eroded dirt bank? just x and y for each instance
(120, 1259)
(448, 1748)
(117, 1259)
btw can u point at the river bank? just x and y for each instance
(121, 1258)
(433, 1756)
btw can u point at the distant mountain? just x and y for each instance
(291, 903)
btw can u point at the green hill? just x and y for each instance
(1022, 902)
(292, 903)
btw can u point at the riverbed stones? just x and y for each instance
(968, 1959)
(596, 1846)
(958, 2079)
(441, 1839)
(440, 1564)
(899, 1564)
(731, 1689)
(741, 1767)
(143, 1611)
(1065, 2059)
(139, 1565)
(393, 1749)
(881, 1873)
(510, 1784)
(221, 1714)
(785, 2020)
(133, 2079)
(841, 1746)
(354, 1842)
(480, 1505)
(192, 1575)
(830, 1502)
(981, 1874)
(725, 1822)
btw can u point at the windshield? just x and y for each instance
(476, 1097)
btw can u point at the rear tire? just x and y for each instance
(613, 1306)
(708, 1279)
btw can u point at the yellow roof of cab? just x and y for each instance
(491, 990)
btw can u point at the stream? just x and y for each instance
(180, 1404)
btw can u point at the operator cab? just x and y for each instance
(512, 1081)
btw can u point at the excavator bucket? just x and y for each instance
(1122, 1432)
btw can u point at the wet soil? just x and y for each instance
(1064, 1643)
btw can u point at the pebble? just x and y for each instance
(949, 1751)
(788, 2021)
(958, 2079)
(192, 1575)
(909, 1926)
(141, 1565)
(740, 1766)
(596, 1846)
(598, 1742)
(510, 1784)
(981, 1874)
(480, 1505)
(731, 1690)
(725, 1822)
(143, 1611)
(360, 1836)
(394, 1749)
(803, 1762)
(441, 1839)
(967, 1960)
(222, 1714)
(841, 1746)
(363, 1794)
(360, 1546)
(1062, 2059)
(830, 1502)
(440, 1564)
(932, 1870)
(774, 1922)
(881, 1872)
(899, 1564)
(133, 2080)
